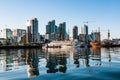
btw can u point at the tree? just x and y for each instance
(1, 43)
(7, 41)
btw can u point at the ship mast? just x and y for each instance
(99, 34)
(108, 34)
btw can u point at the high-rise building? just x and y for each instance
(95, 36)
(84, 29)
(55, 33)
(19, 32)
(6, 33)
(28, 34)
(32, 30)
(75, 32)
(48, 29)
(62, 31)
(51, 27)
(51, 30)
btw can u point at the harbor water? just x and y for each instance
(60, 64)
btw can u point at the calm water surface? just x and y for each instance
(60, 64)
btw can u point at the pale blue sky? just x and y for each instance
(104, 14)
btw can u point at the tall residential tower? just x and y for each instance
(62, 31)
(51, 30)
(32, 30)
(84, 29)
(75, 32)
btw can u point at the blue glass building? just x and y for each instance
(32, 30)
(75, 32)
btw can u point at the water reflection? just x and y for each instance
(96, 55)
(109, 51)
(10, 59)
(76, 56)
(109, 56)
(52, 63)
(55, 60)
(32, 63)
(81, 53)
(84, 54)
(62, 61)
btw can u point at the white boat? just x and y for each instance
(58, 44)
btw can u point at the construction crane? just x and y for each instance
(87, 22)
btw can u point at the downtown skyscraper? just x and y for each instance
(84, 33)
(32, 30)
(84, 29)
(75, 32)
(62, 31)
(51, 27)
(51, 30)
(55, 33)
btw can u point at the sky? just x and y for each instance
(99, 13)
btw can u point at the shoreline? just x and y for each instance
(40, 46)
(20, 47)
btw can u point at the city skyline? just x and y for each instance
(98, 13)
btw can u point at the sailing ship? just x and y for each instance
(96, 42)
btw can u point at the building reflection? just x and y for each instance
(96, 55)
(56, 62)
(84, 55)
(62, 61)
(56, 59)
(32, 62)
(108, 52)
(5, 60)
(109, 56)
(9, 59)
(76, 57)
(52, 63)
